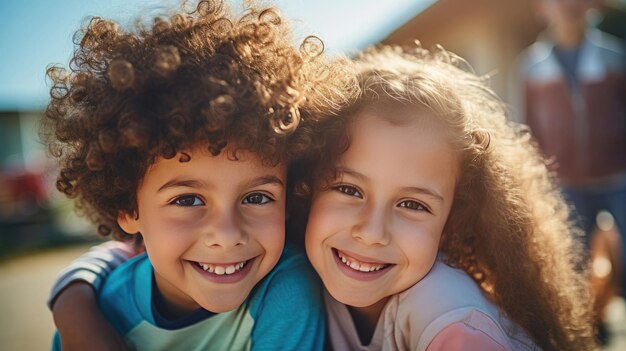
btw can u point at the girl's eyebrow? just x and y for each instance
(416, 189)
(424, 191)
(350, 172)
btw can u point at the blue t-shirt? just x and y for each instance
(283, 312)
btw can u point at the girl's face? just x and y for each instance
(375, 230)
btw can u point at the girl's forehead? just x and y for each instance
(399, 156)
(398, 133)
(417, 119)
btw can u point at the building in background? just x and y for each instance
(490, 34)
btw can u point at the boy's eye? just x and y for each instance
(413, 205)
(188, 201)
(349, 190)
(257, 199)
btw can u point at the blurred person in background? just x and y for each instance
(574, 81)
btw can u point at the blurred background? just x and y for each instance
(39, 233)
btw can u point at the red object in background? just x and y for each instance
(27, 186)
(22, 194)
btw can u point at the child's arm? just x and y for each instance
(73, 301)
(80, 323)
(93, 267)
(291, 315)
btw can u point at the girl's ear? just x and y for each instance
(129, 222)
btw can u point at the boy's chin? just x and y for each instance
(222, 305)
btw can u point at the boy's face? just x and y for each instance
(375, 230)
(212, 227)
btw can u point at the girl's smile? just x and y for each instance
(374, 231)
(361, 268)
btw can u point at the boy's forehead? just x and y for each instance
(230, 154)
(205, 171)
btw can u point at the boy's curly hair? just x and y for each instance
(205, 75)
(508, 227)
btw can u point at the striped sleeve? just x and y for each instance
(92, 267)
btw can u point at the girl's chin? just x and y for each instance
(353, 299)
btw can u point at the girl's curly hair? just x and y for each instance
(201, 76)
(508, 227)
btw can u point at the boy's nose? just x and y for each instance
(371, 227)
(225, 231)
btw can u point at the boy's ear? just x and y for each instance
(128, 222)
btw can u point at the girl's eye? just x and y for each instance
(257, 199)
(188, 201)
(349, 190)
(413, 205)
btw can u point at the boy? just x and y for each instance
(180, 135)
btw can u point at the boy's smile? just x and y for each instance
(375, 230)
(224, 273)
(213, 226)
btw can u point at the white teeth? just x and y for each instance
(360, 267)
(221, 270)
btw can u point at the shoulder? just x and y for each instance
(444, 297)
(125, 296)
(606, 42)
(536, 54)
(450, 287)
(293, 281)
(606, 48)
(477, 333)
(280, 303)
(293, 268)
(121, 279)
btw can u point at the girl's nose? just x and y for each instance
(371, 227)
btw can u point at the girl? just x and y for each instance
(434, 223)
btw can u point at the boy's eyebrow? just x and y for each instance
(176, 182)
(268, 179)
(190, 183)
(421, 190)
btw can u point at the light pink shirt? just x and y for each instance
(479, 332)
(444, 311)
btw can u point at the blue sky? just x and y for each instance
(36, 33)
